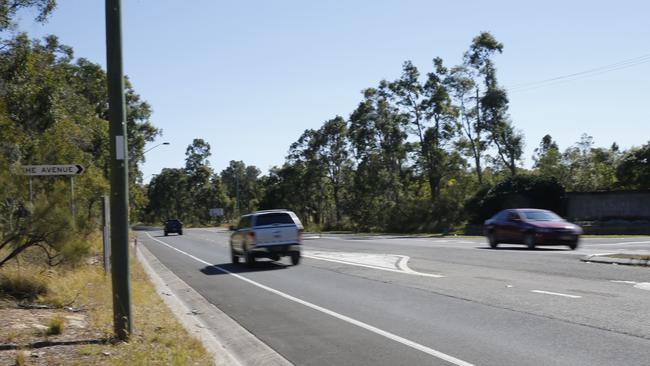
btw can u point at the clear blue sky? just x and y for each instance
(250, 76)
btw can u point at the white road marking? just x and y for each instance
(628, 282)
(643, 286)
(639, 285)
(556, 294)
(347, 319)
(396, 263)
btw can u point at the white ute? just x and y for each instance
(270, 234)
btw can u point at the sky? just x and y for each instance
(250, 76)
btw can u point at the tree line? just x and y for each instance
(54, 110)
(416, 154)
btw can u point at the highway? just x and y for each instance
(399, 300)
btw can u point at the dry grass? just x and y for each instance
(158, 338)
(56, 325)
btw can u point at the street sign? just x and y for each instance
(73, 169)
(214, 212)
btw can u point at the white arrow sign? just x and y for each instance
(73, 169)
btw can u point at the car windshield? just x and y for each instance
(541, 216)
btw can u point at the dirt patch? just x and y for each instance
(26, 331)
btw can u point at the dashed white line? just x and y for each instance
(556, 294)
(347, 319)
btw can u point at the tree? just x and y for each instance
(437, 137)
(589, 168)
(242, 186)
(422, 104)
(46, 117)
(9, 8)
(196, 155)
(380, 149)
(472, 142)
(548, 159)
(477, 68)
(169, 196)
(633, 172)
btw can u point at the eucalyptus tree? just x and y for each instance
(438, 137)
(334, 154)
(492, 103)
(380, 149)
(465, 93)
(430, 116)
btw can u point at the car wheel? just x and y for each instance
(492, 239)
(180, 232)
(295, 258)
(234, 258)
(530, 241)
(573, 245)
(249, 258)
(166, 233)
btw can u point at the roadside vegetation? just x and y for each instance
(55, 299)
(45, 307)
(427, 152)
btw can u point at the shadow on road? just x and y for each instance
(525, 249)
(242, 268)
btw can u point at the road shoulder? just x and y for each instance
(229, 342)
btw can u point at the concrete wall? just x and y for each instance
(626, 205)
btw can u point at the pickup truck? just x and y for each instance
(266, 234)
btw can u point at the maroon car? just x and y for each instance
(531, 227)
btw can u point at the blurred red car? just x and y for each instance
(531, 227)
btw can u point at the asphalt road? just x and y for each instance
(384, 300)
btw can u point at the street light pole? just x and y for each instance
(151, 148)
(119, 201)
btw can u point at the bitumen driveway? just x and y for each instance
(391, 300)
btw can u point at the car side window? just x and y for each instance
(244, 223)
(501, 216)
(512, 216)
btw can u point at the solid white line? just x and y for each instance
(401, 270)
(368, 327)
(556, 294)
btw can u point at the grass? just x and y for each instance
(22, 285)
(56, 325)
(21, 358)
(158, 338)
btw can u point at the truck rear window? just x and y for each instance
(273, 218)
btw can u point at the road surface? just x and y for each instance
(390, 300)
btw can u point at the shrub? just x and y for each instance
(22, 286)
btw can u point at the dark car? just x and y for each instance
(173, 226)
(531, 227)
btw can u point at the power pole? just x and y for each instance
(119, 201)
